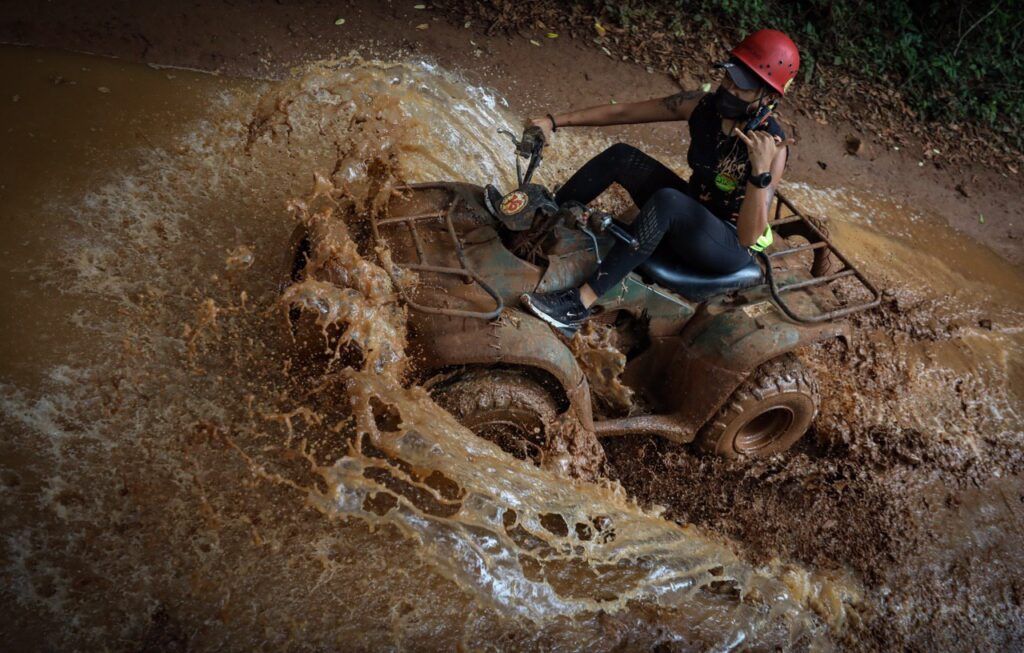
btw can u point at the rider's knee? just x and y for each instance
(621, 150)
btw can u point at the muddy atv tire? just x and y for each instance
(505, 407)
(767, 414)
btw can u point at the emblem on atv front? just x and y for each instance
(513, 202)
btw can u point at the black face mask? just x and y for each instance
(728, 105)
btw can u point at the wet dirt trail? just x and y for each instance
(173, 476)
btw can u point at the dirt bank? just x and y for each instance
(262, 39)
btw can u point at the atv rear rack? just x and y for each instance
(818, 240)
(465, 271)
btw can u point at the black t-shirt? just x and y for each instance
(720, 163)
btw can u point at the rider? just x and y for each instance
(714, 220)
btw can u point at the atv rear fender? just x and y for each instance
(723, 344)
(515, 339)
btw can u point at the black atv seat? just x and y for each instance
(663, 269)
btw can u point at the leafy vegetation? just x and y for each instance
(951, 60)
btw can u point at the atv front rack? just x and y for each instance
(817, 240)
(465, 271)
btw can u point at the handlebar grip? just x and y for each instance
(532, 141)
(624, 236)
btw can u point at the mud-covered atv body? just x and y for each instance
(709, 358)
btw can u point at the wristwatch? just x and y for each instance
(762, 180)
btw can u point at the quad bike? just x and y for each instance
(711, 356)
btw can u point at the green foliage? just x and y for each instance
(953, 60)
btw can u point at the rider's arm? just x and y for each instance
(673, 107)
(753, 218)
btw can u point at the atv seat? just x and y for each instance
(663, 269)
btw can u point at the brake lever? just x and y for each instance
(512, 137)
(597, 249)
(603, 222)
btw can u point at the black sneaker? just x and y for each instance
(562, 310)
(492, 200)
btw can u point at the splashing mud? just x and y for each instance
(919, 436)
(183, 474)
(603, 361)
(185, 477)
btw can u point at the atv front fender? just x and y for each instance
(721, 347)
(513, 340)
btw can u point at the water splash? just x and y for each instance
(192, 477)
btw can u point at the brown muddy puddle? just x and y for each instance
(173, 476)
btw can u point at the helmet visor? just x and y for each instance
(742, 76)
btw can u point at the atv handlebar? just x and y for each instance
(531, 146)
(533, 141)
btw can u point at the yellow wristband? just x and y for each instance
(764, 240)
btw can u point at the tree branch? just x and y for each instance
(971, 28)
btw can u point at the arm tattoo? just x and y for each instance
(673, 102)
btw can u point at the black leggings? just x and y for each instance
(705, 242)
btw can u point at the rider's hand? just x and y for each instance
(761, 148)
(545, 126)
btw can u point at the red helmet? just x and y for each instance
(772, 56)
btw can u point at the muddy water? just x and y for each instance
(174, 475)
(954, 313)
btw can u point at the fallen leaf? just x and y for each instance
(419, 6)
(422, 26)
(599, 28)
(706, 87)
(535, 43)
(103, 89)
(340, 21)
(552, 35)
(981, 218)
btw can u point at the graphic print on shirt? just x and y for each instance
(720, 162)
